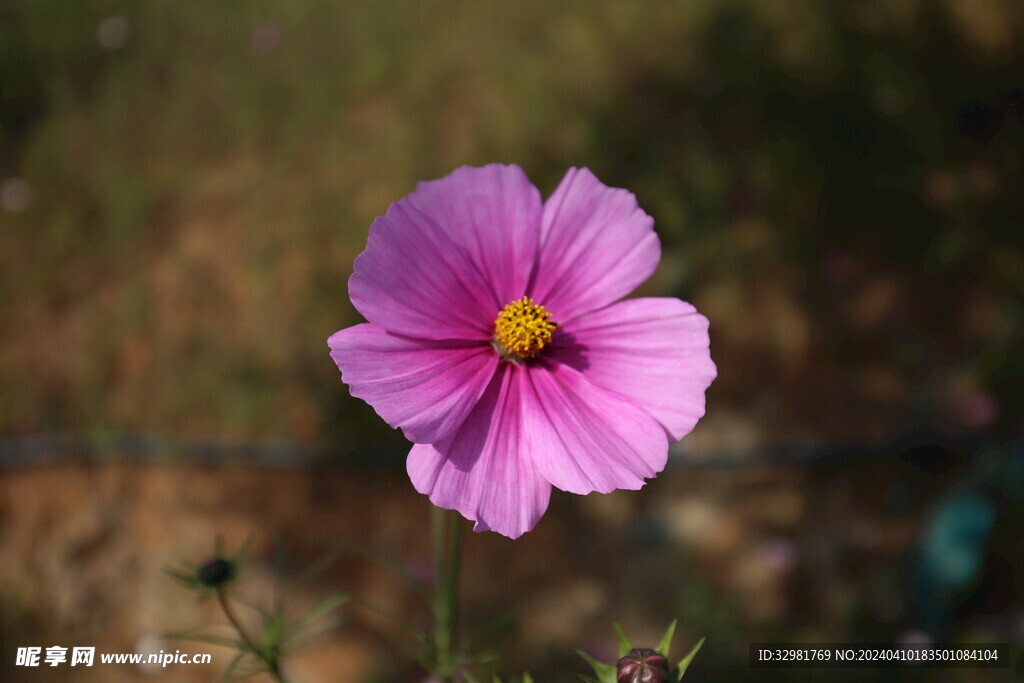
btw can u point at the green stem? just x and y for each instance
(446, 544)
(453, 574)
(273, 667)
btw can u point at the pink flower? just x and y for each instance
(497, 343)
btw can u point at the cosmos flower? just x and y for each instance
(497, 343)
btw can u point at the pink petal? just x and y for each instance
(483, 470)
(426, 388)
(596, 246)
(654, 351)
(442, 262)
(585, 438)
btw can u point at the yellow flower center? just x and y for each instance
(522, 329)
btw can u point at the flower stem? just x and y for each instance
(446, 537)
(273, 667)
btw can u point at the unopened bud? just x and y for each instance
(643, 665)
(216, 572)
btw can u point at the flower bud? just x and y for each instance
(643, 665)
(215, 572)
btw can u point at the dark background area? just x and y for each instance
(837, 187)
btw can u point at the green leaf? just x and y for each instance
(624, 645)
(272, 634)
(606, 673)
(490, 631)
(188, 577)
(327, 605)
(239, 557)
(230, 671)
(666, 640)
(527, 678)
(265, 613)
(392, 618)
(680, 669)
(339, 549)
(301, 640)
(205, 638)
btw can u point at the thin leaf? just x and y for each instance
(273, 633)
(418, 655)
(489, 632)
(606, 673)
(280, 570)
(239, 556)
(319, 566)
(205, 638)
(299, 641)
(478, 658)
(685, 663)
(624, 645)
(392, 618)
(259, 608)
(666, 640)
(394, 567)
(328, 604)
(183, 576)
(230, 671)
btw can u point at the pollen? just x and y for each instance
(522, 329)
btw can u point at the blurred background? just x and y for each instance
(837, 186)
